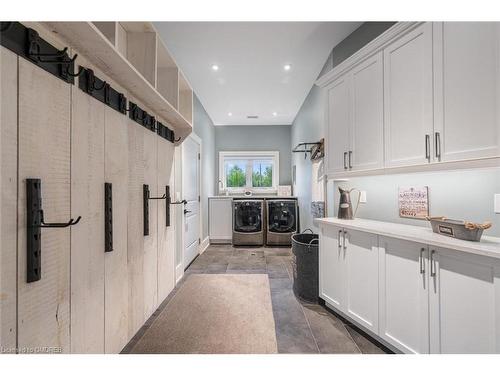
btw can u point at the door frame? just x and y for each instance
(179, 194)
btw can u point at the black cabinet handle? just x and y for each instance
(345, 163)
(350, 161)
(186, 211)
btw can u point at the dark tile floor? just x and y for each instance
(300, 327)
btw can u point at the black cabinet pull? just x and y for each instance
(345, 163)
(350, 161)
(108, 217)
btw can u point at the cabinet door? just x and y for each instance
(464, 303)
(361, 278)
(408, 98)
(44, 152)
(403, 298)
(221, 219)
(338, 125)
(166, 235)
(467, 88)
(367, 130)
(331, 266)
(115, 262)
(87, 238)
(8, 199)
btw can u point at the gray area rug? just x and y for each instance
(215, 314)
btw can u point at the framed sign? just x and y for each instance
(413, 202)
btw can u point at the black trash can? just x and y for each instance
(305, 266)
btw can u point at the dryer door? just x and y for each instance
(282, 216)
(248, 217)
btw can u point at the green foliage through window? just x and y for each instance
(236, 176)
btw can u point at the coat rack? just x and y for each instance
(34, 223)
(316, 149)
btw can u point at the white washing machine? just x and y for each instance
(248, 222)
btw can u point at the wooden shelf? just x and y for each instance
(112, 54)
(185, 98)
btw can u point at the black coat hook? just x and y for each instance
(164, 196)
(43, 224)
(81, 69)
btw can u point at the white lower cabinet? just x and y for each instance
(464, 303)
(331, 266)
(403, 299)
(220, 220)
(361, 278)
(343, 253)
(415, 297)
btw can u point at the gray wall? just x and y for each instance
(204, 128)
(461, 194)
(256, 138)
(308, 125)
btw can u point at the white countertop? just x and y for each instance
(252, 196)
(488, 246)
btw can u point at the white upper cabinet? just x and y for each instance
(367, 127)
(467, 90)
(408, 98)
(337, 144)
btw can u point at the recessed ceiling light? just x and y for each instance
(287, 67)
(275, 114)
(215, 67)
(229, 114)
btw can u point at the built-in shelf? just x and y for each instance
(132, 54)
(167, 79)
(185, 98)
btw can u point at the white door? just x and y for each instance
(337, 145)
(367, 128)
(404, 291)
(331, 266)
(361, 278)
(191, 193)
(467, 96)
(464, 303)
(408, 98)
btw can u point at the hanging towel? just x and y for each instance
(317, 189)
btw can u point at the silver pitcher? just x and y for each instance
(345, 205)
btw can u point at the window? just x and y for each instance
(255, 170)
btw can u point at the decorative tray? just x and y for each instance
(463, 230)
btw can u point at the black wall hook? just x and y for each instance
(43, 224)
(34, 223)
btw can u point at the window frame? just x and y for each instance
(248, 155)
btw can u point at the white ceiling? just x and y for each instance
(251, 55)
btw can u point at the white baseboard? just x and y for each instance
(204, 244)
(179, 272)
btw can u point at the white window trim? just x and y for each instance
(249, 155)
